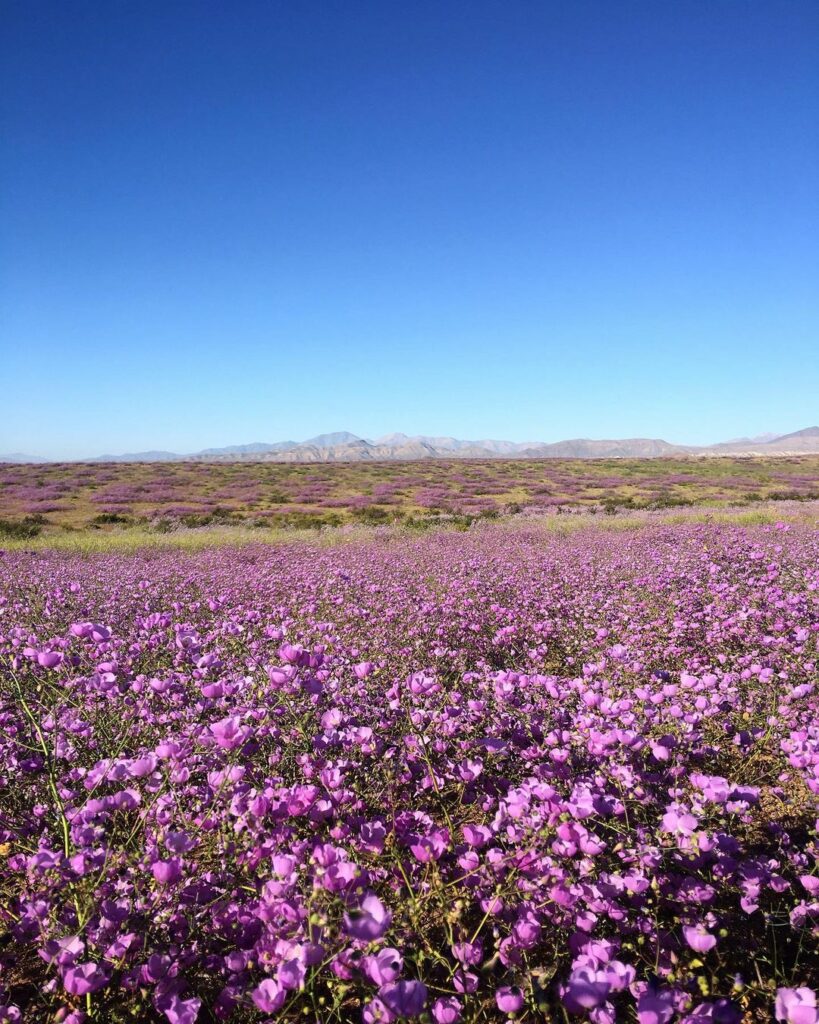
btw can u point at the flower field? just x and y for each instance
(502, 774)
(104, 496)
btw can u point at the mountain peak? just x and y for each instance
(807, 432)
(331, 440)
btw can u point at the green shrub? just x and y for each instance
(19, 529)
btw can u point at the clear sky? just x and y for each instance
(253, 221)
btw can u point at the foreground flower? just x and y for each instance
(269, 996)
(655, 1007)
(446, 1010)
(699, 939)
(404, 998)
(369, 921)
(509, 999)
(81, 979)
(796, 1006)
(384, 966)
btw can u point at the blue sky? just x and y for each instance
(252, 221)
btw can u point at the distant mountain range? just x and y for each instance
(346, 447)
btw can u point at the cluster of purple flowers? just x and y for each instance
(73, 493)
(466, 777)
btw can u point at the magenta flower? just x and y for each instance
(62, 951)
(142, 766)
(293, 654)
(655, 1006)
(167, 871)
(469, 953)
(796, 1006)
(228, 733)
(182, 1011)
(80, 979)
(544, 747)
(811, 883)
(368, 921)
(698, 938)
(384, 966)
(679, 822)
(404, 998)
(585, 989)
(446, 1010)
(375, 1012)
(477, 835)
(291, 973)
(509, 998)
(269, 996)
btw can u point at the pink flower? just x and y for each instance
(698, 938)
(228, 733)
(369, 921)
(404, 998)
(269, 996)
(81, 979)
(680, 823)
(509, 998)
(182, 1011)
(655, 1007)
(446, 1010)
(585, 989)
(796, 1006)
(375, 1012)
(167, 871)
(384, 966)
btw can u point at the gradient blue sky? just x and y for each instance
(229, 222)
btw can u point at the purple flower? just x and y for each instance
(796, 1006)
(182, 1011)
(509, 998)
(368, 921)
(585, 989)
(62, 951)
(167, 871)
(477, 835)
(404, 998)
(142, 766)
(291, 973)
(228, 733)
(81, 979)
(469, 953)
(293, 654)
(269, 996)
(446, 1010)
(698, 938)
(384, 966)
(375, 1012)
(722, 1011)
(679, 822)
(655, 1006)
(811, 883)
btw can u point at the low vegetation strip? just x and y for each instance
(447, 777)
(168, 496)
